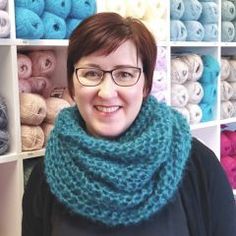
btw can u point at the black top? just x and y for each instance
(202, 206)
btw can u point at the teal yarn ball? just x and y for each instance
(178, 31)
(28, 24)
(55, 26)
(60, 8)
(82, 9)
(37, 6)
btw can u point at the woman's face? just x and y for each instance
(108, 109)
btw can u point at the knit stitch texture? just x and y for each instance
(119, 181)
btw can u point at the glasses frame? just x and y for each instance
(109, 72)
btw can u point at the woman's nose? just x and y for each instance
(107, 88)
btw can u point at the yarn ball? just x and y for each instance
(5, 25)
(43, 62)
(55, 26)
(195, 113)
(227, 110)
(28, 24)
(176, 9)
(192, 11)
(24, 86)
(32, 109)
(225, 145)
(4, 141)
(227, 31)
(211, 32)
(226, 91)
(47, 128)
(179, 71)
(37, 6)
(232, 137)
(82, 9)
(195, 30)
(71, 24)
(195, 66)
(232, 74)
(60, 8)
(225, 69)
(211, 69)
(3, 114)
(210, 93)
(207, 112)
(54, 106)
(178, 31)
(24, 65)
(228, 11)
(3, 4)
(40, 85)
(195, 91)
(229, 166)
(32, 137)
(210, 13)
(179, 95)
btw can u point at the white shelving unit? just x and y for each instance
(11, 163)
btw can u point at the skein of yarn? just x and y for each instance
(60, 8)
(4, 141)
(228, 11)
(28, 24)
(35, 6)
(227, 31)
(225, 68)
(3, 4)
(3, 114)
(178, 31)
(82, 9)
(193, 10)
(24, 86)
(195, 113)
(24, 65)
(225, 145)
(176, 9)
(32, 137)
(54, 106)
(43, 62)
(207, 112)
(55, 26)
(209, 13)
(5, 25)
(195, 91)
(195, 30)
(179, 71)
(179, 95)
(32, 109)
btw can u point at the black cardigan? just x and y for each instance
(202, 206)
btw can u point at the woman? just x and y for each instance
(119, 162)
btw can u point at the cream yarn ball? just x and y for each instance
(32, 137)
(54, 106)
(32, 109)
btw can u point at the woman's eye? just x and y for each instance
(91, 74)
(125, 75)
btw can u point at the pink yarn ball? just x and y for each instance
(24, 86)
(40, 85)
(24, 65)
(229, 165)
(43, 62)
(54, 106)
(225, 145)
(232, 137)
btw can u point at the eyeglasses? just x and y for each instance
(124, 77)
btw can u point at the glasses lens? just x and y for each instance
(89, 76)
(126, 76)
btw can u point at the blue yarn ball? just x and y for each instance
(28, 24)
(82, 9)
(55, 26)
(227, 31)
(60, 8)
(210, 93)
(193, 10)
(71, 24)
(207, 112)
(37, 6)
(195, 30)
(210, 13)
(176, 9)
(211, 32)
(228, 11)
(178, 31)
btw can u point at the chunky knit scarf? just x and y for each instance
(118, 181)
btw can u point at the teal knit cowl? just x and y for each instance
(119, 181)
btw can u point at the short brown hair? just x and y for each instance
(105, 32)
